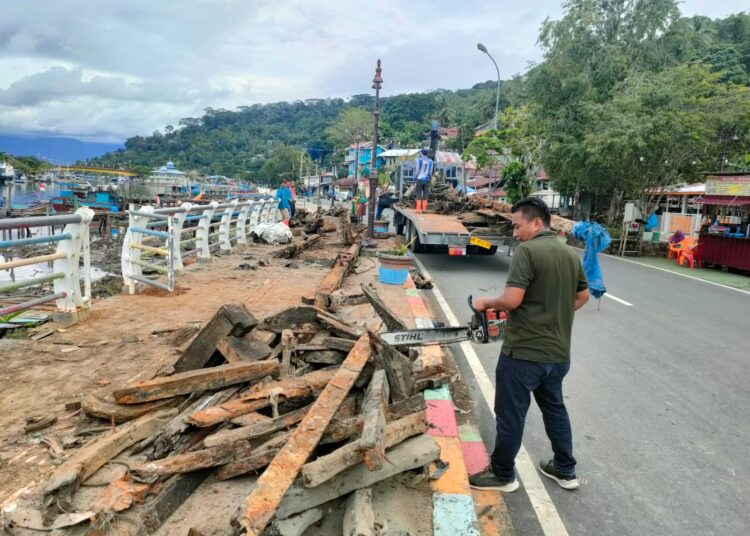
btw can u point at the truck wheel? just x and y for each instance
(417, 246)
(491, 251)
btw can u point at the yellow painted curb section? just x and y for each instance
(454, 479)
(492, 513)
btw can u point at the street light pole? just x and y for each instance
(483, 48)
(377, 81)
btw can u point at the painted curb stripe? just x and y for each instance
(442, 418)
(453, 479)
(441, 393)
(475, 456)
(453, 515)
(469, 432)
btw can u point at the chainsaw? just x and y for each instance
(484, 327)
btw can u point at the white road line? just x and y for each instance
(677, 273)
(619, 300)
(544, 508)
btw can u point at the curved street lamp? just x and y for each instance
(483, 48)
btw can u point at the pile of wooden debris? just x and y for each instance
(319, 407)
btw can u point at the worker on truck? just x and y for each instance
(545, 286)
(422, 179)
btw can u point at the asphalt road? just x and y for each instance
(659, 398)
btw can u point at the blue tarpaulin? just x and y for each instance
(596, 239)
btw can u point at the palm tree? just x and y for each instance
(444, 113)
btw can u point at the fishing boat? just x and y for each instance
(100, 200)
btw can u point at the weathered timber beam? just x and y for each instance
(287, 388)
(195, 380)
(335, 343)
(94, 405)
(336, 276)
(359, 517)
(297, 247)
(326, 467)
(410, 454)
(242, 350)
(288, 318)
(280, 474)
(341, 327)
(397, 367)
(258, 458)
(227, 437)
(391, 321)
(190, 461)
(231, 319)
(371, 443)
(287, 347)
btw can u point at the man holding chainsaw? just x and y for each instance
(546, 284)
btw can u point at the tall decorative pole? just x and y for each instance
(376, 83)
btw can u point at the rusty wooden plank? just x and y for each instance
(190, 461)
(397, 367)
(195, 380)
(326, 467)
(106, 408)
(260, 397)
(227, 437)
(339, 326)
(336, 276)
(280, 474)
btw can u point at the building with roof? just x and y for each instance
(169, 172)
(361, 153)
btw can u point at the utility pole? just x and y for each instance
(377, 81)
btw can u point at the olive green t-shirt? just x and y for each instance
(551, 273)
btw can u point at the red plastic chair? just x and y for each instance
(692, 256)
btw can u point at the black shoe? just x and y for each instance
(564, 481)
(487, 480)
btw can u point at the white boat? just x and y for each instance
(6, 171)
(20, 179)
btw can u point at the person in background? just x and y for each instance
(283, 196)
(292, 199)
(422, 179)
(385, 199)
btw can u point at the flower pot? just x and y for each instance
(393, 269)
(381, 226)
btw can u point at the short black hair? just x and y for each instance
(533, 207)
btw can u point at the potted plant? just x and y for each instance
(394, 263)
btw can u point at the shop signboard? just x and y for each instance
(738, 185)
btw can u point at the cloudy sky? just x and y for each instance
(108, 69)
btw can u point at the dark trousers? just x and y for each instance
(422, 189)
(516, 379)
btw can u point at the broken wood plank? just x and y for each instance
(38, 422)
(231, 319)
(336, 276)
(397, 367)
(287, 388)
(195, 380)
(184, 334)
(262, 336)
(341, 327)
(402, 408)
(243, 350)
(174, 492)
(64, 480)
(287, 347)
(154, 470)
(359, 518)
(371, 443)
(297, 247)
(95, 405)
(257, 459)
(289, 318)
(250, 419)
(295, 525)
(312, 348)
(227, 437)
(326, 467)
(280, 474)
(410, 454)
(336, 343)
(174, 436)
(392, 322)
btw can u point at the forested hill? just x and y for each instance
(238, 143)
(623, 86)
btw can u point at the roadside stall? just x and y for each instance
(725, 229)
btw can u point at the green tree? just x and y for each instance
(516, 181)
(350, 124)
(285, 163)
(487, 149)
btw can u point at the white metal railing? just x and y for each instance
(73, 249)
(175, 234)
